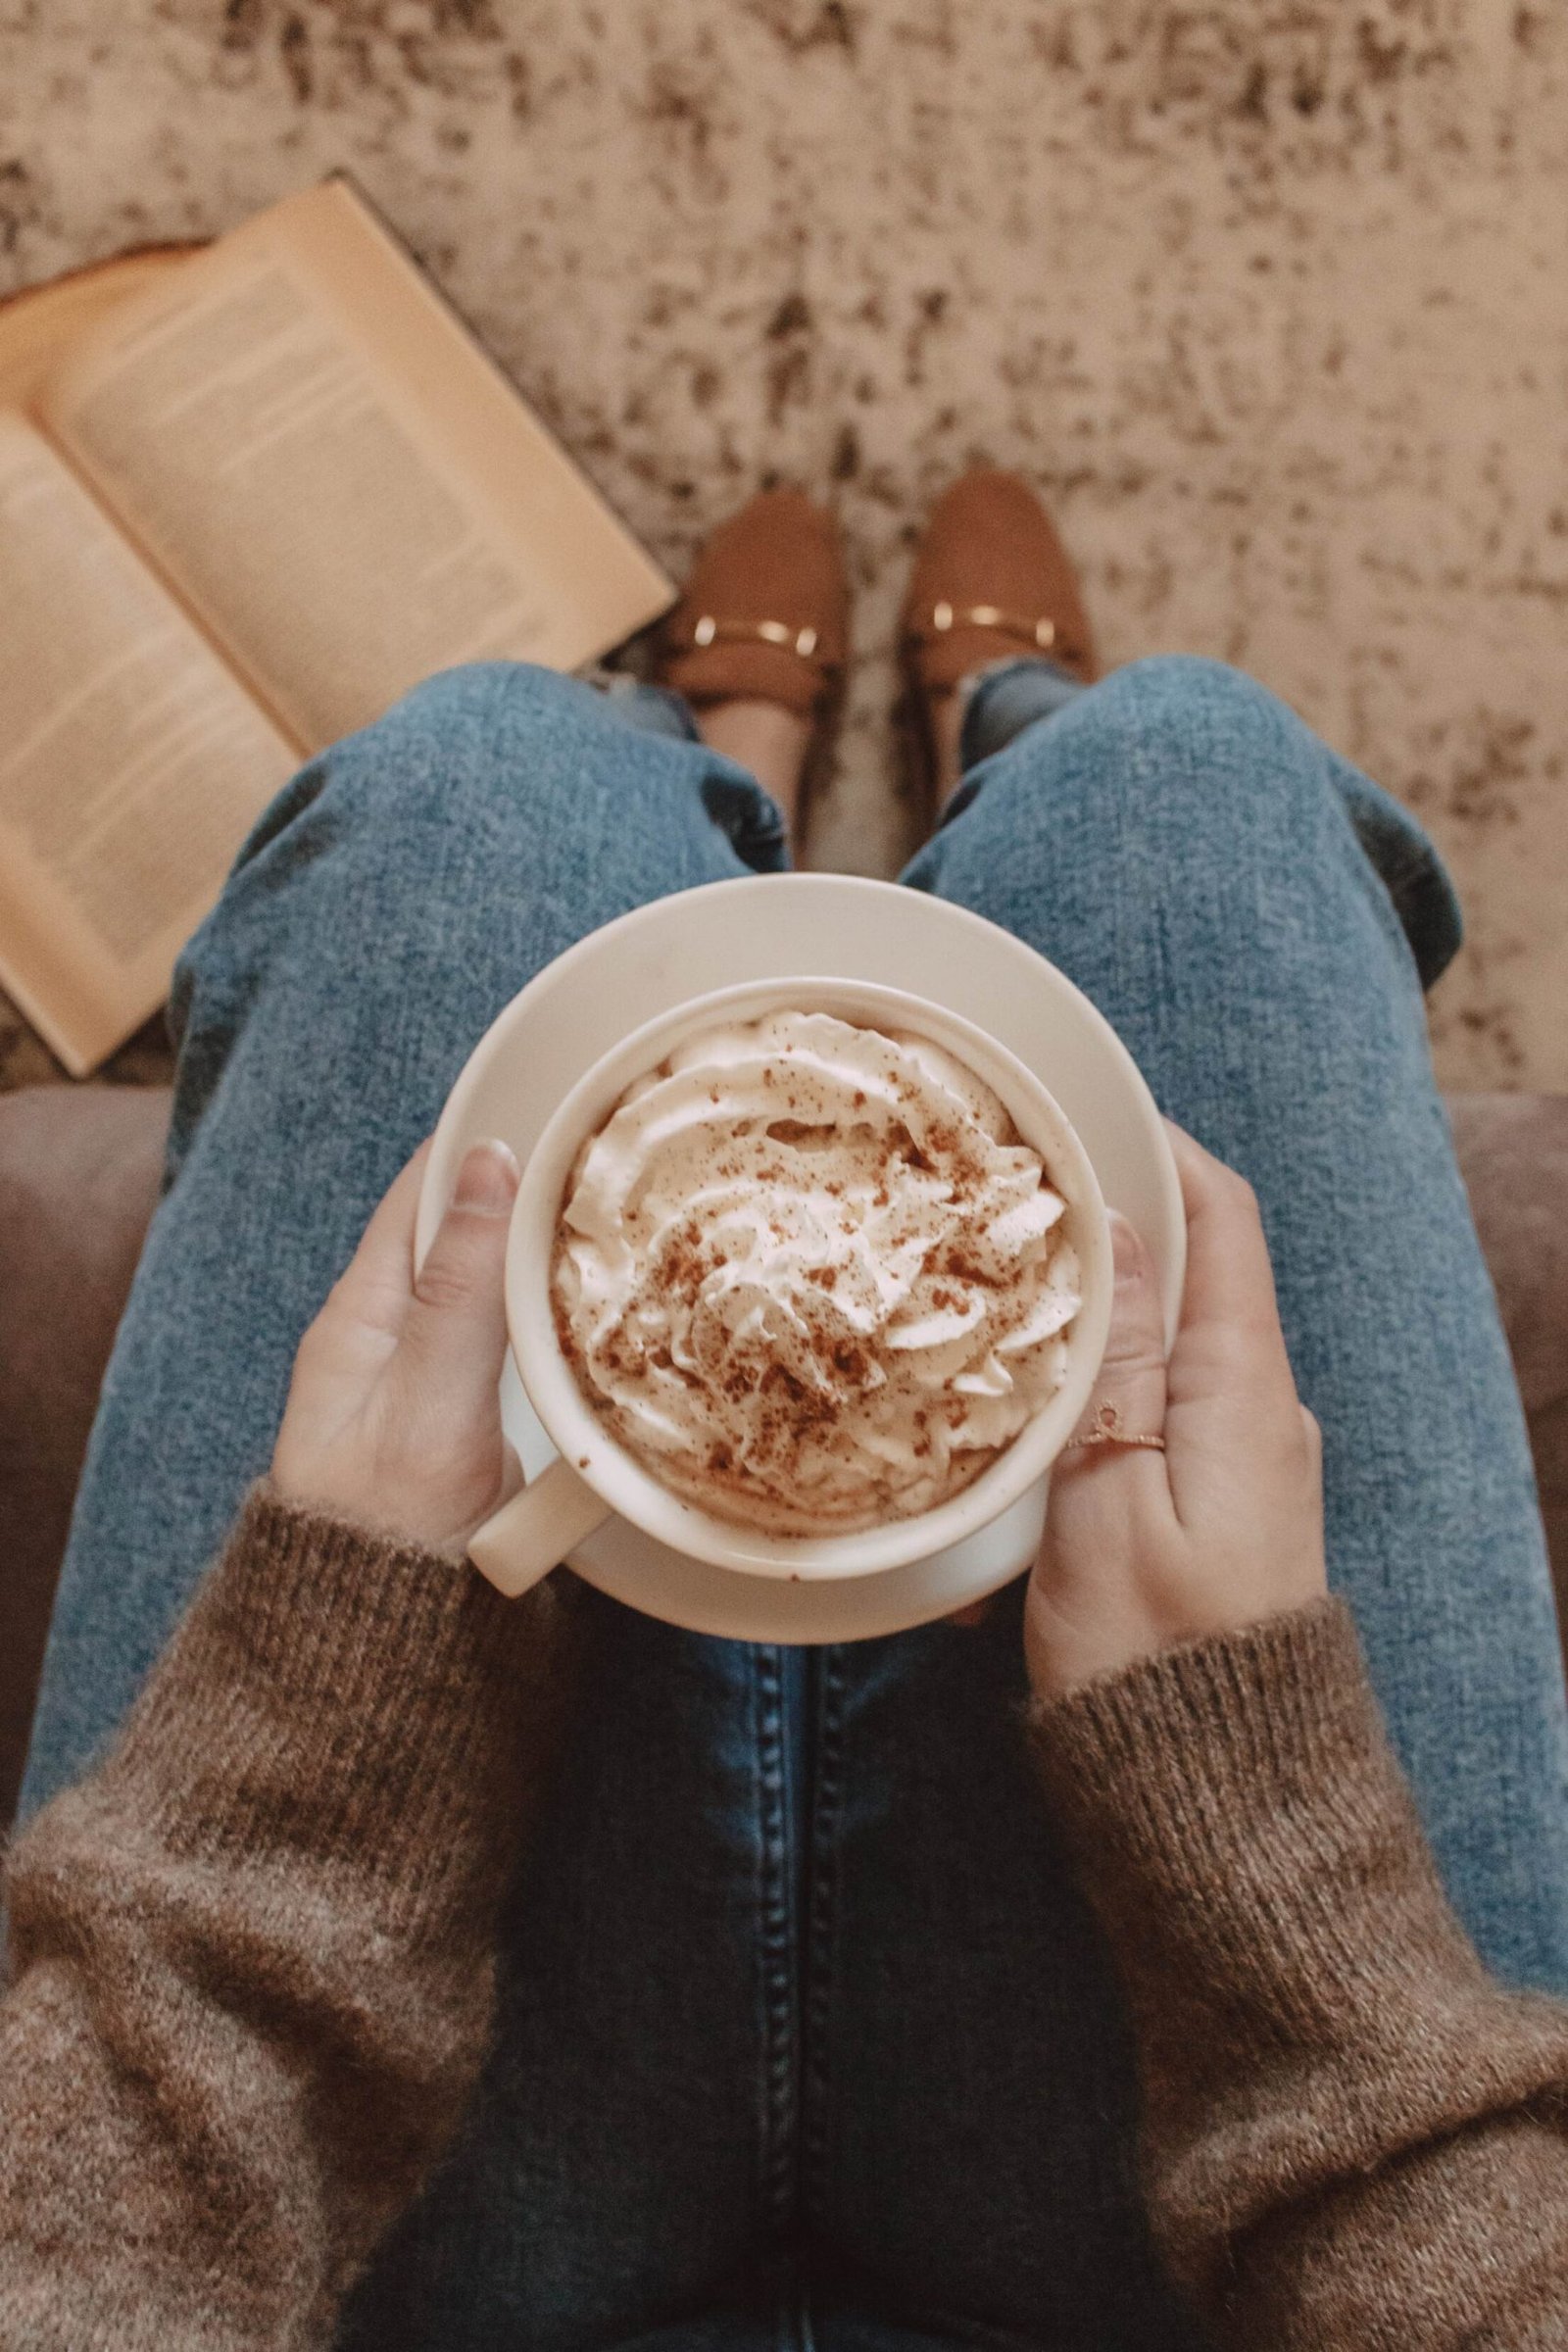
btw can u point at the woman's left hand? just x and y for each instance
(393, 1417)
(1148, 1548)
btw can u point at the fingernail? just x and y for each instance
(488, 1179)
(1128, 1254)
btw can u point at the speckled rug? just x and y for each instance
(1271, 301)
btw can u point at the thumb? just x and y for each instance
(454, 1337)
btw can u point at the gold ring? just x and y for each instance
(1105, 1429)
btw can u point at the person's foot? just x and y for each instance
(773, 743)
(991, 582)
(758, 643)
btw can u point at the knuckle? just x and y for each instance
(446, 1279)
(1282, 1452)
(1129, 1351)
(461, 1261)
(314, 1338)
(1241, 1197)
(309, 1339)
(333, 1305)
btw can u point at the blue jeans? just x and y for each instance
(805, 2037)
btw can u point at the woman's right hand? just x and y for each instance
(1144, 1549)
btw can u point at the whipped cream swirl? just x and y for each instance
(809, 1276)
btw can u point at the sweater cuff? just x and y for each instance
(1194, 1739)
(1238, 1816)
(377, 1697)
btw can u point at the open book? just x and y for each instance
(249, 494)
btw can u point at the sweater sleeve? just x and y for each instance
(1353, 2137)
(253, 1953)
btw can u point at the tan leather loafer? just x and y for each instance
(765, 617)
(990, 581)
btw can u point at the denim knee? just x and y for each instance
(463, 731)
(505, 692)
(1179, 786)
(1212, 766)
(1204, 740)
(539, 761)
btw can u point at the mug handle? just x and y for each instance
(535, 1531)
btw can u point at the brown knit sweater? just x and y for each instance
(253, 1959)
(253, 1953)
(1352, 2138)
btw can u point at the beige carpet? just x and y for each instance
(1272, 301)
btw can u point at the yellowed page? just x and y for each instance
(131, 763)
(38, 322)
(334, 476)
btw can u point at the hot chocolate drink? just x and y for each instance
(809, 1276)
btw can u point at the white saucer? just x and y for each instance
(768, 926)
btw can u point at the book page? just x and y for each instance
(37, 324)
(131, 763)
(335, 478)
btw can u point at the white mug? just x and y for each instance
(594, 1477)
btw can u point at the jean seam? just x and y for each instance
(780, 2053)
(819, 1929)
